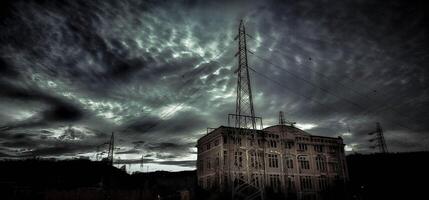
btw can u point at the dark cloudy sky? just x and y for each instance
(158, 73)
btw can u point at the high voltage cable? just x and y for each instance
(363, 112)
(371, 90)
(311, 99)
(315, 71)
(177, 107)
(308, 82)
(349, 101)
(287, 87)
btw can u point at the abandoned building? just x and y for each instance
(251, 162)
(281, 159)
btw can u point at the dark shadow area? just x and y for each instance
(372, 176)
(388, 176)
(84, 179)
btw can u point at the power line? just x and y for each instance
(279, 51)
(178, 107)
(288, 88)
(308, 82)
(364, 111)
(313, 100)
(315, 71)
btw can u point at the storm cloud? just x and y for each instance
(158, 73)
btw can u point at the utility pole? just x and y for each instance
(380, 142)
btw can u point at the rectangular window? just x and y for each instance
(323, 183)
(289, 145)
(201, 165)
(238, 159)
(289, 162)
(303, 162)
(306, 183)
(209, 183)
(261, 156)
(320, 163)
(333, 167)
(253, 160)
(302, 147)
(259, 143)
(273, 161)
(332, 149)
(290, 183)
(273, 143)
(318, 148)
(274, 181)
(255, 179)
(238, 140)
(208, 163)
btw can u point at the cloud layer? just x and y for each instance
(159, 73)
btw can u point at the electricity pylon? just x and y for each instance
(283, 121)
(247, 174)
(244, 102)
(380, 142)
(111, 148)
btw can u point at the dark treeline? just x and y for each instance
(84, 179)
(372, 176)
(388, 176)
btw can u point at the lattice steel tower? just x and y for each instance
(282, 120)
(247, 172)
(244, 102)
(379, 139)
(111, 149)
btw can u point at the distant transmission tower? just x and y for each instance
(379, 140)
(282, 118)
(283, 121)
(142, 162)
(111, 148)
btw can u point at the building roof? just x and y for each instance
(295, 130)
(286, 128)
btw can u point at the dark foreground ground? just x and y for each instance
(389, 176)
(375, 176)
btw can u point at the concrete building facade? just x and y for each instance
(279, 159)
